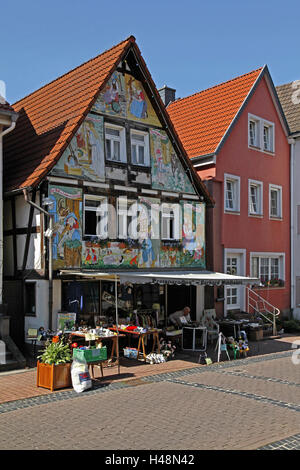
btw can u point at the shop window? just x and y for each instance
(30, 298)
(115, 146)
(82, 298)
(95, 216)
(140, 154)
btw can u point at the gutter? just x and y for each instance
(292, 143)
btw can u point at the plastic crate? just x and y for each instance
(90, 355)
(131, 353)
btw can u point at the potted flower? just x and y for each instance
(54, 366)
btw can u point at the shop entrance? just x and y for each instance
(180, 297)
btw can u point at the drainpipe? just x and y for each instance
(2, 134)
(50, 264)
(292, 201)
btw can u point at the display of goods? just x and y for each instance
(132, 353)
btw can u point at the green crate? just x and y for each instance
(90, 355)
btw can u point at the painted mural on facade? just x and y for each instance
(109, 254)
(67, 228)
(84, 157)
(124, 96)
(193, 235)
(112, 100)
(167, 171)
(139, 107)
(149, 241)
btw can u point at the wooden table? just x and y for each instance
(141, 336)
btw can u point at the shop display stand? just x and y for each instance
(221, 346)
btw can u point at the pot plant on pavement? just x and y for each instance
(54, 365)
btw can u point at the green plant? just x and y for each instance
(56, 353)
(291, 325)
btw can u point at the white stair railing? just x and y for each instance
(262, 307)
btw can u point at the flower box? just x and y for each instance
(54, 377)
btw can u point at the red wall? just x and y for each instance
(252, 233)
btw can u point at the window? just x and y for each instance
(275, 201)
(127, 218)
(30, 301)
(268, 137)
(261, 133)
(115, 147)
(95, 216)
(253, 133)
(170, 222)
(140, 154)
(255, 197)
(232, 193)
(269, 268)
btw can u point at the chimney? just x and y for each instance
(167, 94)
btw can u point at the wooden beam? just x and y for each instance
(28, 236)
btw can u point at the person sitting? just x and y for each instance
(180, 317)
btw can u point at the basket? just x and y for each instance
(90, 355)
(131, 353)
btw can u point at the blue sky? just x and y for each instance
(188, 45)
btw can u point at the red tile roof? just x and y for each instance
(201, 120)
(49, 117)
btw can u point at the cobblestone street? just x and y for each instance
(247, 404)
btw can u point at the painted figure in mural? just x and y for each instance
(96, 150)
(70, 232)
(137, 100)
(111, 95)
(148, 256)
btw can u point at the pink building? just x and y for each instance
(236, 137)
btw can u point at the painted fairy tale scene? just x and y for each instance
(124, 96)
(139, 107)
(167, 171)
(193, 234)
(84, 157)
(110, 254)
(112, 100)
(67, 231)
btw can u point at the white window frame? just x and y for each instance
(271, 127)
(256, 122)
(137, 143)
(259, 187)
(101, 212)
(270, 256)
(260, 124)
(235, 180)
(240, 254)
(278, 189)
(121, 140)
(170, 222)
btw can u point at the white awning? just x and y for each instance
(193, 278)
